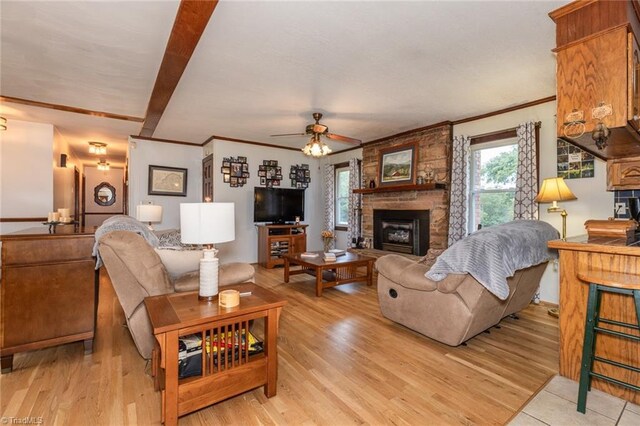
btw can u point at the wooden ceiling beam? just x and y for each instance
(191, 21)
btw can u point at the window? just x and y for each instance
(492, 183)
(342, 197)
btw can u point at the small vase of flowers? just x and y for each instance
(327, 239)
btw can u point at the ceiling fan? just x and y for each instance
(320, 129)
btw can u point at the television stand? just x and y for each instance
(277, 240)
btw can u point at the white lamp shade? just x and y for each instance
(149, 213)
(207, 223)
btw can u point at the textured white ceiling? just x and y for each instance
(101, 56)
(373, 68)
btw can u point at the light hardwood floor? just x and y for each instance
(340, 362)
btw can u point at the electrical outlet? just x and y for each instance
(621, 208)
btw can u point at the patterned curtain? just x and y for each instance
(353, 228)
(527, 178)
(459, 184)
(329, 199)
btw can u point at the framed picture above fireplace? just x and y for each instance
(397, 164)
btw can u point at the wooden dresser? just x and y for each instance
(48, 291)
(579, 254)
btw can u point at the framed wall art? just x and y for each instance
(300, 176)
(270, 173)
(235, 171)
(167, 181)
(397, 164)
(573, 162)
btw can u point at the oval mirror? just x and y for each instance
(104, 194)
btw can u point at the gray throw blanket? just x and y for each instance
(122, 223)
(493, 254)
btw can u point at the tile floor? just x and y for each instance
(556, 405)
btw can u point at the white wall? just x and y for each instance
(63, 177)
(143, 153)
(593, 202)
(94, 177)
(245, 246)
(26, 173)
(341, 236)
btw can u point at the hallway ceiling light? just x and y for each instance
(103, 165)
(315, 147)
(97, 148)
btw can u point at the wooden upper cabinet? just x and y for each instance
(590, 73)
(623, 173)
(597, 57)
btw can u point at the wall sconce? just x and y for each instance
(98, 148)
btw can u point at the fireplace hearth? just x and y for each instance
(401, 231)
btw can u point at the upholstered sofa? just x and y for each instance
(457, 307)
(137, 271)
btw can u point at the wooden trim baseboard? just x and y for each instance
(22, 219)
(225, 138)
(505, 110)
(67, 108)
(148, 138)
(407, 132)
(103, 214)
(346, 150)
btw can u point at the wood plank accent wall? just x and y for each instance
(434, 150)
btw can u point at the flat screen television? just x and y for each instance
(277, 205)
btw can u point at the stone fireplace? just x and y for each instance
(434, 153)
(401, 231)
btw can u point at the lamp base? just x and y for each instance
(208, 275)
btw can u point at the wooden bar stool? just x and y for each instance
(610, 282)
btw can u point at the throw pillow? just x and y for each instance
(179, 262)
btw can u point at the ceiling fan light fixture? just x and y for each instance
(316, 148)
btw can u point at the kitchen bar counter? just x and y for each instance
(597, 254)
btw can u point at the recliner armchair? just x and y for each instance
(136, 272)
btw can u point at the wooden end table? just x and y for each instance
(330, 274)
(179, 314)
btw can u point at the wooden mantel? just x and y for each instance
(401, 188)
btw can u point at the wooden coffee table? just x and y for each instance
(179, 314)
(346, 269)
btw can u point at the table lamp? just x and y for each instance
(207, 224)
(552, 191)
(149, 213)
